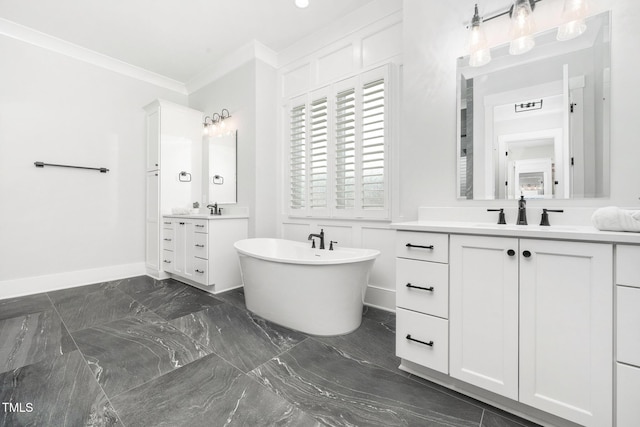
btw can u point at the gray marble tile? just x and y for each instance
(32, 338)
(238, 336)
(169, 298)
(373, 342)
(491, 419)
(14, 307)
(94, 308)
(207, 392)
(234, 297)
(63, 295)
(62, 392)
(378, 315)
(129, 352)
(342, 391)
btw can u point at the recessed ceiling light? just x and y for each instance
(302, 3)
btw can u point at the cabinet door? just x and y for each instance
(152, 233)
(566, 327)
(180, 236)
(153, 140)
(483, 317)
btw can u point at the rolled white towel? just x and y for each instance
(613, 218)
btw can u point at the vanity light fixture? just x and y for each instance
(522, 27)
(301, 3)
(574, 13)
(215, 124)
(479, 52)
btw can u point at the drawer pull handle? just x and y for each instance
(167, 223)
(168, 262)
(410, 245)
(430, 343)
(199, 246)
(430, 288)
(199, 271)
(199, 225)
(167, 240)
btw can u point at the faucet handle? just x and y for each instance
(501, 219)
(331, 244)
(545, 216)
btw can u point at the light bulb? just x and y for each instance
(302, 3)
(574, 13)
(522, 28)
(479, 52)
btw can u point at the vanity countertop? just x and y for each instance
(564, 232)
(206, 216)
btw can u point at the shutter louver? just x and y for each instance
(318, 159)
(297, 157)
(373, 146)
(345, 163)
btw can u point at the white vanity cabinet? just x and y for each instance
(532, 320)
(200, 252)
(628, 335)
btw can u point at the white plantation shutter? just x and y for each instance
(318, 154)
(372, 163)
(338, 149)
(345, 150)
(297, 158)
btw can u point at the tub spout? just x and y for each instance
(320, 236)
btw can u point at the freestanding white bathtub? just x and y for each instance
(319, 292)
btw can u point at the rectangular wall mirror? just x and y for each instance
(537, 124)
(222, 168)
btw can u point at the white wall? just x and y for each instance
(248, 92)
(434, 36)
(63, 227)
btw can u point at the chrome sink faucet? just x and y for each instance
(213, 209)
(522, 211)
(320, 236)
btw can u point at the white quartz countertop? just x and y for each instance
(563, 232)
(207, 216)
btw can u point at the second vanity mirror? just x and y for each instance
(537, 124)
(221, 156)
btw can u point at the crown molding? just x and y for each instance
(246, 53)
(54, 44)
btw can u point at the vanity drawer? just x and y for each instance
(628, 325)
(200, 225)
(422, 286)
(433, 332)
(168, 261)
(628, 398)
(628, 265)
(200, 271)
(168, 239)
(424, 246)
(200, 248)
(167, 224)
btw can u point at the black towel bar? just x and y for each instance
(42, 164)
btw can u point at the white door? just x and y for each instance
(483, 316)
(566, 327)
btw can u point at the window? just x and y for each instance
(338, 151)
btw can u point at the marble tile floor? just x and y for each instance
(142, 352)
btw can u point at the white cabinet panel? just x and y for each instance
(628, 265)
(628, 393)
(628, 326)
(422, 286)
(483, 315)
(566, 327)
(153, 140)
(422, 339)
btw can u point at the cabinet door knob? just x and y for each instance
(526, 254)
(511, 252)
(430, 343)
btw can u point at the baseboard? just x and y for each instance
(382, 298)
(52, 282)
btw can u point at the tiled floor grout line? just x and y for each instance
(106, 396)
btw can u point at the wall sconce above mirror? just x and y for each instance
(537, 124)
(522, 28)
(217, 124)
